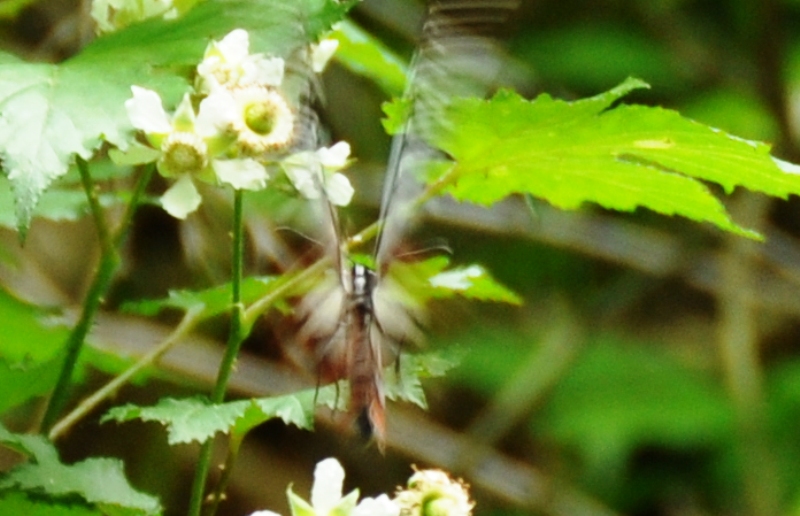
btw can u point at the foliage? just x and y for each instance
(72, 146)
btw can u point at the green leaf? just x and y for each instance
(431, 279)
(472, 282)
(47, 117)
(13, 503)
(30, 335)
(365, 55)
(213, 301)
(407, 386)
(195, 419)
(26, 380)
(569, 153)
(99, 481)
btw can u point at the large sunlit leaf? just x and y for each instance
(621, 158)
(47, 117)
(99, 481)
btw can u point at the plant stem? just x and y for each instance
(235, 338)
(109, 260)
(189, 321)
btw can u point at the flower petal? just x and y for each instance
(338, 189)
(380, 506)
(146, 112)
(328, 481)
(264, 513)
(304, 172)
(321, 53)
(268, 71)
(182, 198)
(335, 157)
(235, 46)
(242, 174)
(217, 113)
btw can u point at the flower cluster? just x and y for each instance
(112, 15)
(234, 128)
(428, 493)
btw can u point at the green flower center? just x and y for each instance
(260, 117)
(183, 153)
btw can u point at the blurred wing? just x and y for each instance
(457, 57)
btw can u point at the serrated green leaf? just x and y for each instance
(472, 282)
(195, 419)
(569, 153)
(297, 409)
(407, 386)
(365, 55)
(99, 481)
(47, 117)
(397, 112)
(213, 301)
(14, 503)
(430, 279)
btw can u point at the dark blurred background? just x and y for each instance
(654, 368)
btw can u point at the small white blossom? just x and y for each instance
(264, 513)
(228, 64)
(321, 53)
(112, 15)
(327, 499)
(432, 492)
(192, 147)
(314, 173)
(326, 493)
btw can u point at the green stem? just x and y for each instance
(235, 338)
(109, 260)
(189, 321)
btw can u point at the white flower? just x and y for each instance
(327, 499)
(112, 15)
(264, 513)
(326, 493)
(228, 63)
(259, 118)
(189, 146)
(316, 172)
(432, 492)
(321, 53)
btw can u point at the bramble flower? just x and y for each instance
(228, 64)
(322, 52)
(316, 172)
(327, 499)
(431, 492)
(260, 118)
(191, 147)
(112, 15)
